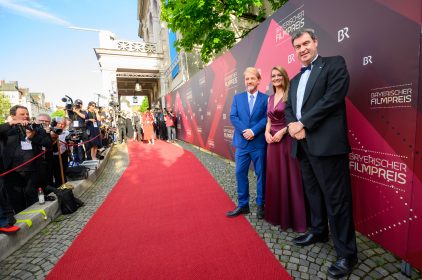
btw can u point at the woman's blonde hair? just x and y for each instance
(286, 82)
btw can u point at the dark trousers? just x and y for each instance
(22, 189)
(79, 153)
(326, 181)
(162, 130)
(122, 134)
(6, 210)
(46, 172)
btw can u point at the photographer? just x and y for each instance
(121, 124)
(46, 160)
(160, 124)
(59, 133)
(22, 141)
(7, 219)
(93, 129)
(170, 124)
(138, 127)
(78, 127)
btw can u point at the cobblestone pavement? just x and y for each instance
(310, 262)
(38, 256)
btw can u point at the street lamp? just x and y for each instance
(138, 86)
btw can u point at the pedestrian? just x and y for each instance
(22, 141)
(316, 116)
(121, 125)
(284, 198)
(171, 129)
(148, 126)
(248, 115)
(129, 126)
(93, 124)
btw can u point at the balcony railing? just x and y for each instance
(131, 46)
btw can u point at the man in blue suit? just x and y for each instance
(249, 116)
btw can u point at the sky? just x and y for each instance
(38, 50)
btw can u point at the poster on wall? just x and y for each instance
(383, 104)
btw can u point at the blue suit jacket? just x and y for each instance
(242, 119)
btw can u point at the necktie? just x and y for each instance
(251, 103)
(303, 69)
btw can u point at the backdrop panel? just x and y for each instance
(381, 42)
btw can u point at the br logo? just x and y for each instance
(367, 60)
(342, 34)
(290, 58)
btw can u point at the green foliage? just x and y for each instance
(144, 106)
(4, 107)
(207, 24)
(277, 4)
(59, 113)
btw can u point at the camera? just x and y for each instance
(33, 126)
(53, 127)
(56, 130)
(74, 135)
(70, 104)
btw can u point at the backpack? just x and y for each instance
(77, 172)
(67, 201)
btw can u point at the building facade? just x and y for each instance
(150, 67)
(35, 102)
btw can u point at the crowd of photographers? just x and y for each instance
(35, 153)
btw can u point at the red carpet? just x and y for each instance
(165, 219)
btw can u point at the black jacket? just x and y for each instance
(13, 155)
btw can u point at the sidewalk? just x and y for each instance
(39, 255)
(310, 262)
(33, 219)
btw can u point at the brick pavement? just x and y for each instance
(309, 262)
(37, 257)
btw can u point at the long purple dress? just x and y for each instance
(284, 198)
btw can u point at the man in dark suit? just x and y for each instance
(249, 115)
(316, 117)
(22, 142)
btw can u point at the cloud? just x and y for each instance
(32, 12)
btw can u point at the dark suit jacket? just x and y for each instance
(323, 108)
(11, 138)
(242, 119)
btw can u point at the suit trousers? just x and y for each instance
(243, 159)
(327, 187)
(21, 187)
(6, 210)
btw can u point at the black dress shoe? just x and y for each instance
(310, 238)
(260, 212)
(342, 267)
(239, 210)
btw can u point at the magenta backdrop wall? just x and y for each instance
(381, 43)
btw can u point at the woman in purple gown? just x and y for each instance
(284, 198)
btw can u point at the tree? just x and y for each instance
(59, 113)
(277, 4)
(144, 106)
(211, 25)
(4, 107)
